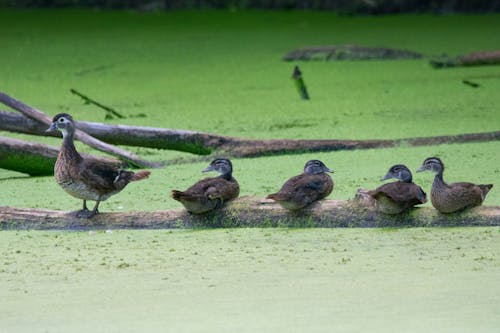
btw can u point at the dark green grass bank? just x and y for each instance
(251, 280)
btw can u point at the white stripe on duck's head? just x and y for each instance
(62, 122)
(432, 164)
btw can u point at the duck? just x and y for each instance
(210, 193)
(302, 190)
(87, 178)
(399, 196)
(450, 198)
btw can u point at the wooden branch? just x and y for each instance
(41, 117)
(89, 100)
(33, 159)
(249, 212)
(160, 138)
(203, 143)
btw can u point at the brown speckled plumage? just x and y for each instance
(449, 198)
(399, 196)
(302, 190)
(210, 193)
(87, 178)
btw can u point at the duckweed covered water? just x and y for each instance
(222, 72)
(251, 280)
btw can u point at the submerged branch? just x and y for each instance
(89, 100)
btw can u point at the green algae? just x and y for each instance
(249, 280)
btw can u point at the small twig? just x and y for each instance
(471, 84)
(91, 101)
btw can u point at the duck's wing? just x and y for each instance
(401, 192)
(220, 188)
(212, 188)
(307, 188)
(100, 175)
(467, 193)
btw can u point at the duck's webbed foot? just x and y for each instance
(85, 213)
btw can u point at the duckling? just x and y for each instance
(398, 196)
(302, 190)
(449, 198)
(86, 178)
(210, 193)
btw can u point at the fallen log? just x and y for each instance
(41, 117)
(249, 212)
(204, 143)
(34, 159)
(140, 136)
(472, 59)
(348, 52)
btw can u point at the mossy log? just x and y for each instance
(34, 159)
(204, 143)
(249, 212)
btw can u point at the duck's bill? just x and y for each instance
(208, 169)
(387, 176)
(52, 128)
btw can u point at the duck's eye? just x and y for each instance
(61, 120)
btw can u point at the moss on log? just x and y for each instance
(249, 212)
(34, 159)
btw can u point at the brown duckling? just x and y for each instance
(86, 178)
(210, 193)
(449, 198)
(302, 190)
(398, 196)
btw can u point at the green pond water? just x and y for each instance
(251, 280)
(222, 72)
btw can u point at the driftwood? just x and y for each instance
(471, 59)
(41, 117)
(204, 144)
(249, 212)
(33, 159)
(348, 52)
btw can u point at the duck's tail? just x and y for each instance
(177, 195)
(182, 196)
(275, 197)
(140, 175)
(485, 188)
